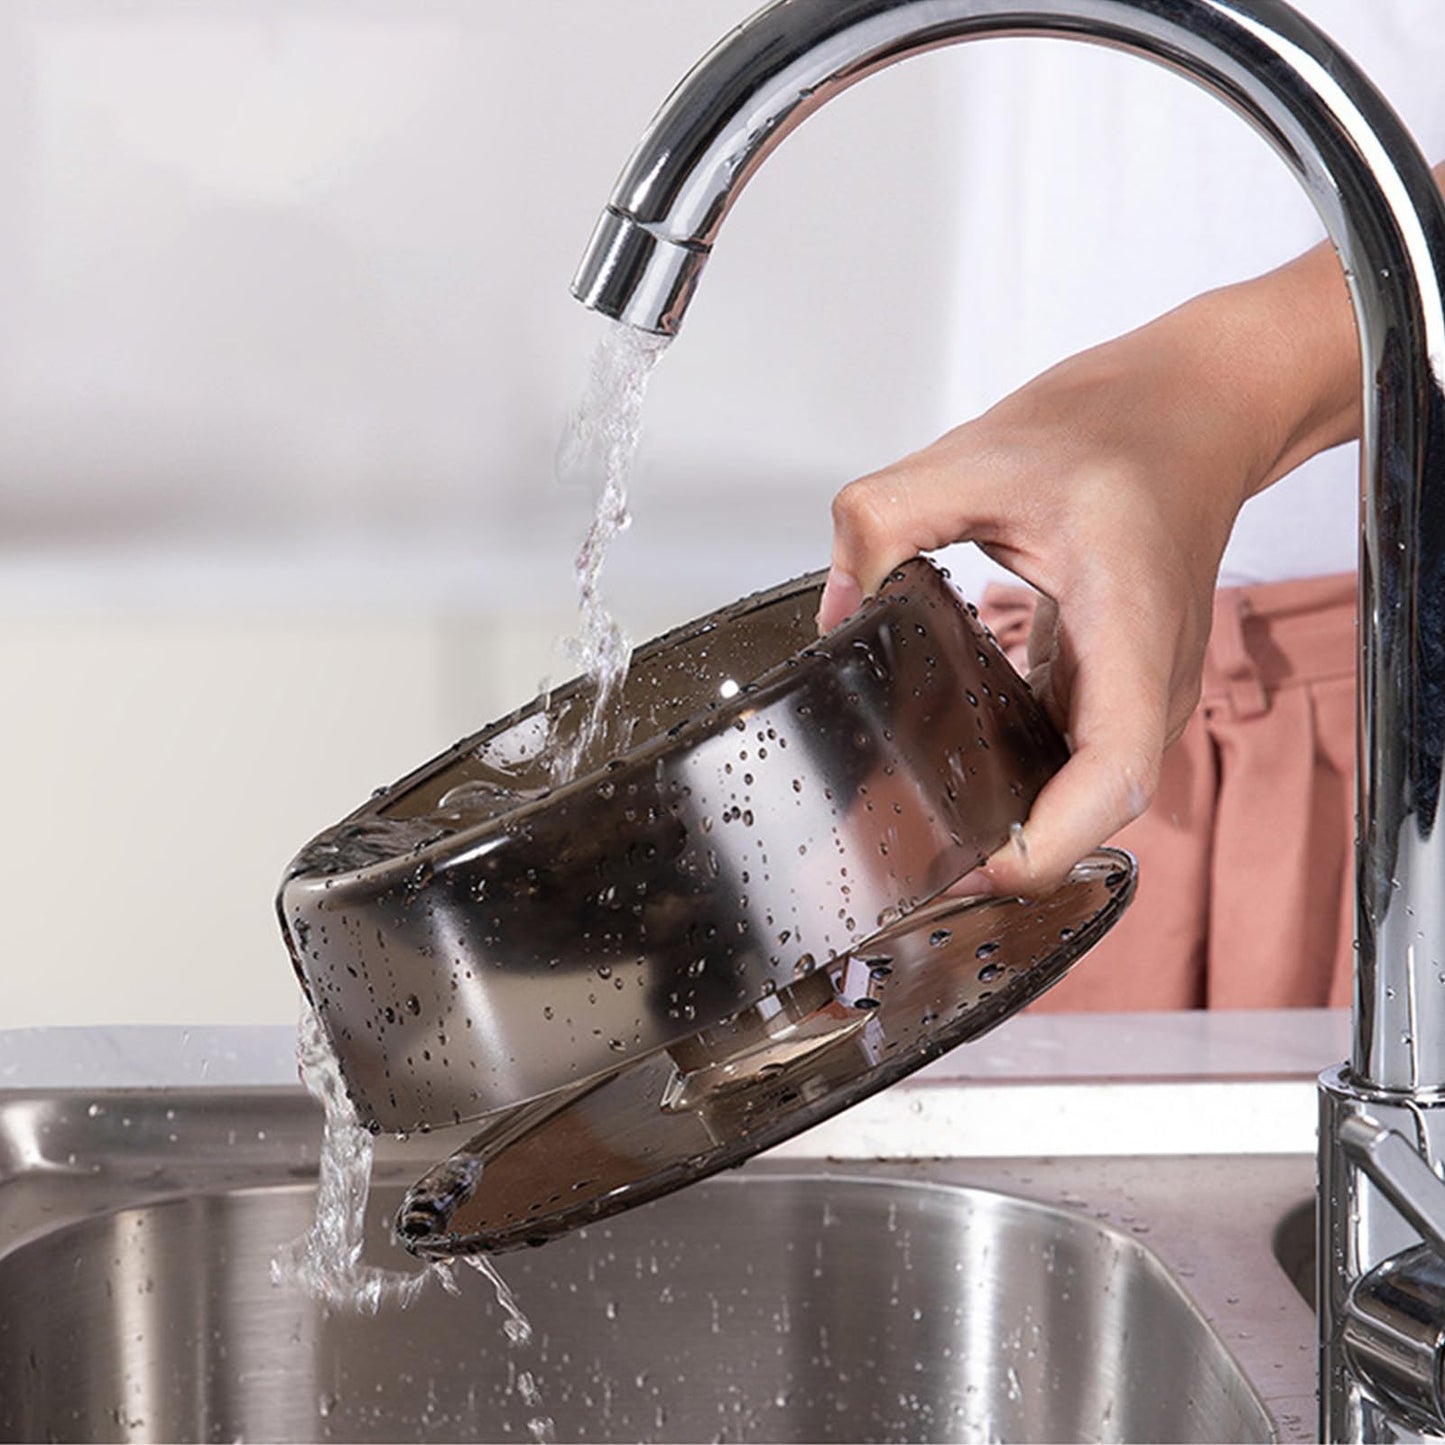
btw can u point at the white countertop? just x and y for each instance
(1200, 1046)
(1045, 1084)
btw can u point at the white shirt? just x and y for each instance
(1099, 191)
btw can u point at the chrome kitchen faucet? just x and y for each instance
(1382, 1137)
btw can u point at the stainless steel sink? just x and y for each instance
(789, 1301)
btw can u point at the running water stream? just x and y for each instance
(599, 447)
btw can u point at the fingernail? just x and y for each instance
(842, 597)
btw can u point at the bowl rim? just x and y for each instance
(712, 719)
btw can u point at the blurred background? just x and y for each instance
(286, 350)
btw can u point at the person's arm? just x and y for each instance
(1111, 484)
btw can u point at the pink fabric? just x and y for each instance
(1245, 855)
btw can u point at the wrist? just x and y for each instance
(1290, 341)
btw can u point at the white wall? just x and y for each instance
(302, 266)
(285, 353)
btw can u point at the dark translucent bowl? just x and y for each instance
(757, 802)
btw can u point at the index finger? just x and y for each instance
(884, 519)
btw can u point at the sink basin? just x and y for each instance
(763, 1305)
(795, 1301)
(777, 1308)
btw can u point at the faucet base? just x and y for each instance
(1380, 1349)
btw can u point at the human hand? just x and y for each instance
(1110, 484)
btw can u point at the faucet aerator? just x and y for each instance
(634, 275)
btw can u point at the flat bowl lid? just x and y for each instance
(948, 973)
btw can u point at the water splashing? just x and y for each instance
(518, 1329)
(599, 447)
(325, 1262)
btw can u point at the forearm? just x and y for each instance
(1290, 336)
